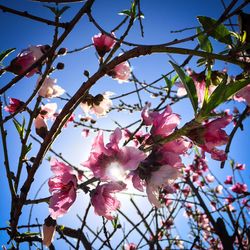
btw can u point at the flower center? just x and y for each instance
(115, 171)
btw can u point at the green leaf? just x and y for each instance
(205, 44)
(125, 13)
(218, 32)
(188, 84)
(6, 53)
(222, 93)
(168, 82)
(27, 148)
(19, 127)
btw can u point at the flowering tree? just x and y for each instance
(165, 178)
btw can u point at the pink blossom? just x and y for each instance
(181, 91)
(138, 183)
(103, 198)
(121, 72)
(239, 166)
(210, 178)
(164, 176)
(130, 246)
(49, 228)
(63, 188)
(110, 162)
(41, 126)
(25, 59)
(48, 110)
(243, 95)
(147, 115)
(229, 180)
(103, 43)
(161, 168)
(85, 132)
(14, 105)
(239, 188)
(200, 84)
(49, 89)
(218, 189)
(211, 135)
(163, 124)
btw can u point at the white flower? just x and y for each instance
(49, 88)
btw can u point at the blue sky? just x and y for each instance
(161, 17)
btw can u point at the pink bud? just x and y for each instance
(49, 228)
(103, 43)
(14, 105)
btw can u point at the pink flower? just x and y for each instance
(161, 168)
(103, 43)
(62, 187)
(85, 132)
(218, 189)
(200, 84)
(164, 176)
(49, 89)
(98, 105)
(163, 124)
(137, 182)
(26, 58)
(239, 166)
(47, 112)
(14, 105)
(111, 162)
(121, 72)
(210, 178)
(130, 246)
(229, 180)
(239, 188)
(211, 135)
(243, 95)
(41, 126)
(103, 198)
(49, 228)
(147, 116)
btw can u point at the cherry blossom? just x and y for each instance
(63, 188)
(14, 105)
(49, 89)
(47, 112)
(103, 43)
(111, 162)
(211, 135)
(103, 198)
(49, 228)
(121, 72)
(229, 180)
(239, 188)
(163, 123)
(26, 58)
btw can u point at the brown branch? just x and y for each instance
(32, 17)
(233, 132)
(77, 234)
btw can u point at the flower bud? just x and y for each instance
(49, 228)
(60, 66)
(62, 51)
